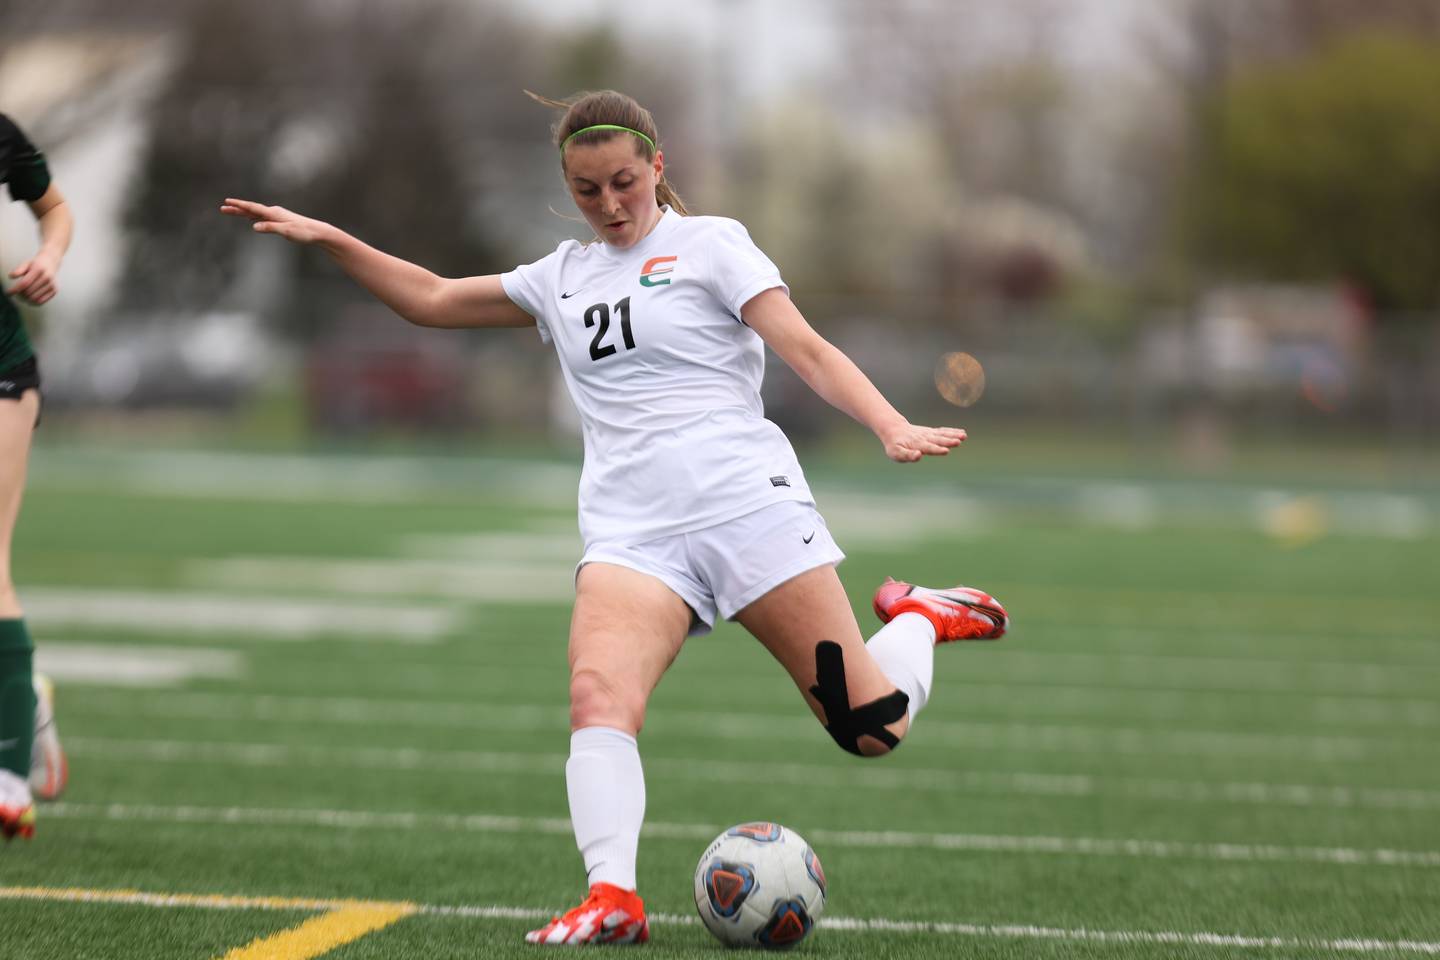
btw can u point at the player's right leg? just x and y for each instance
(626, 630)
(17, 691)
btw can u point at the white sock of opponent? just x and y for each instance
(607, 802)
(905, 650)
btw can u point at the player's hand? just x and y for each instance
(35, 279)
(909, 442)
(278, 220)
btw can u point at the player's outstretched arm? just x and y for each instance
(838, 381)
(410, 290)
(34, 279)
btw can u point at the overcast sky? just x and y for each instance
(782, 41)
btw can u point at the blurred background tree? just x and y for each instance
(240, 70)
(1327, 167)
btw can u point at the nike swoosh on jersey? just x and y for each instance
(567, 296)
(811, 537)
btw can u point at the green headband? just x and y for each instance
(607, 126)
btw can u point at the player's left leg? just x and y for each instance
(17, 691)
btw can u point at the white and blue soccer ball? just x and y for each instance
(760, 885)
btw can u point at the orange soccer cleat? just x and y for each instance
(610, 915)
(17, 808)
(959, 613)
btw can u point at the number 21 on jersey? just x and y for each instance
(598, 315)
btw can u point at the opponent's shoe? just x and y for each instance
(49, 771)
(17, 808)
(610, 915)
(959, 613)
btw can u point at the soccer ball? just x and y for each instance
(760, 885)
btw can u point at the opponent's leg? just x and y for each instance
(626, 630)
(17, 692)
(49, 770)
(17, 730)
(806, 623)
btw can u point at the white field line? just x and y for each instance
(309, 479)
(1172, 607)
(181, 901)
(537, 576)
(999, 783)
(1237, 673)
(1418, 646)
(972, 735)
(858, 519)
(1068, 701)
(539, 543)
(499, 581)
(254, 617)
(1132, 506)
(540, 580)
(135, 666)
(890, 839)
(1064, 738)
(526, 567)
(1004, 931)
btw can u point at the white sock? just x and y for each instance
(607, 802)
(905, 650)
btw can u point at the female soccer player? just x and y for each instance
(27, 728)
(692, 504)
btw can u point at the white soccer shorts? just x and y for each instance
(724, 568)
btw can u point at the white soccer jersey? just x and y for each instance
(665, 376)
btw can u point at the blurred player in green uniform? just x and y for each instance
(31, 763)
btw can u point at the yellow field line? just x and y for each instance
(322, 934)
(340, 922)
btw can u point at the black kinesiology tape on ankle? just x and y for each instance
(847, 724)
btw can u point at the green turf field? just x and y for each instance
(296, 690)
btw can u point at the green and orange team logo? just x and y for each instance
(657, 270)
